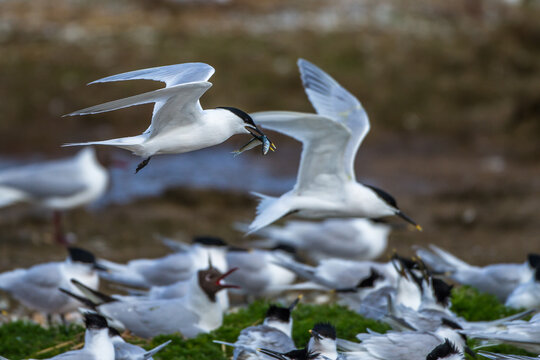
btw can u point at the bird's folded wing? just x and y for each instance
(171, 75)
(330, 99)
(324, 141)
(56, 178)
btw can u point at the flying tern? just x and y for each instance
(58, 185)
(37, 287)
(326, 185)
(179, 123)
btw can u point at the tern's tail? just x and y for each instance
(441, 261)
(9, 278)
(10, 196)
(150, 353)
(92, 295)
(269, 210)
(131, 143)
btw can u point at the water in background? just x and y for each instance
(212, 168)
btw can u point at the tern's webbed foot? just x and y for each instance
(142, 164)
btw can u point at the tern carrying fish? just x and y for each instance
(179, 123)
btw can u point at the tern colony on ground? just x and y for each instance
(187, 290)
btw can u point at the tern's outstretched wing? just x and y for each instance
(324, 141)
(330, 99)
(170, 102)
(171, 75)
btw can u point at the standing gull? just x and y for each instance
(58, 185)
(179, 123)
(326, 185)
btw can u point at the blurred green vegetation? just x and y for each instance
(21, 339)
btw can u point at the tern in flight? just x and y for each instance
(179, 123)
(326, 185)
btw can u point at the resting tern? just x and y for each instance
(326, 185)
(58, 185)
(97, 342)
(169, 269)
(274, 334)
(495, 356)
(257, 273)
(321, 346)
(497, 279)
(407, 345)
(519, 333)
(37, 287)
(354, 239)
(126, 351)
(197, 312)
(179, 123)
(527, 294)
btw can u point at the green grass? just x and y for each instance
(25, 340)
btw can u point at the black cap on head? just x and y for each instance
(442, 291)
(113, 332)
(95, 321)
(81, 255)
(279, 313)
(374, 275)
(451, 324)
(442, 351)
(209, 241)
(534, 260)
(389, 199)
(285, 247)
(241, 114)
(326, 330)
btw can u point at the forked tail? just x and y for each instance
(270, 209)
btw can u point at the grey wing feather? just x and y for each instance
(330, 99)
(55, 178)
(75, 355)
(495, 356)
(171, 75)
(148, 318)
(401, 346)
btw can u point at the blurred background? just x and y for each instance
(452, 89)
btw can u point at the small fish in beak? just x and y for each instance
(256, 141)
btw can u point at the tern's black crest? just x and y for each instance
(389, 199)
(241, 114)
(370, 280)
(209, 241)
(442, 291)
(237, 249)
(537, 274)
(451, 324)
(442, 351)
(534, 260)
(95, 321)
(326, 330)
(113, 332)
(81, 255)
(279, 313)
(285, 247)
